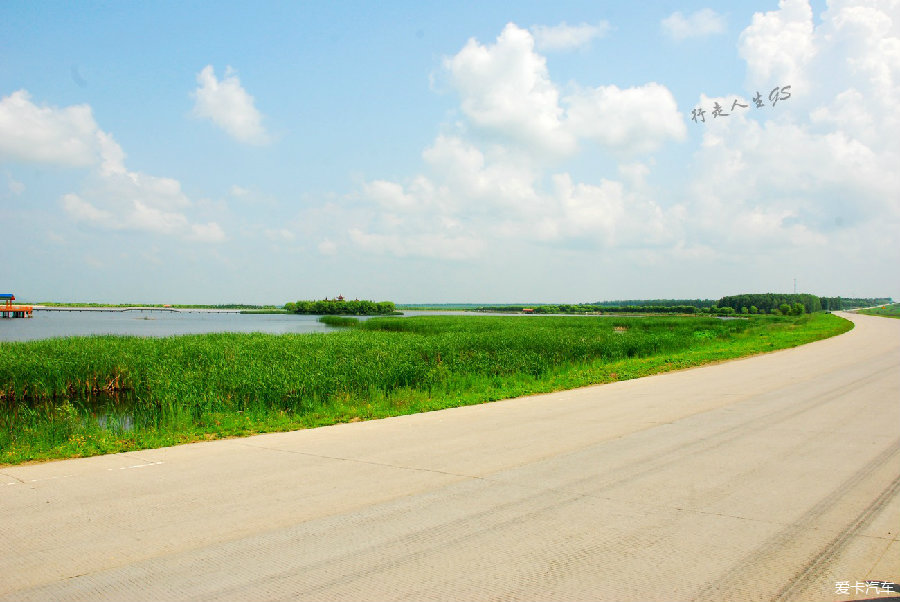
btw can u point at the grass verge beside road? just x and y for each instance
(887, 311)
(84, 396)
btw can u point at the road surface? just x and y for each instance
(770, 478)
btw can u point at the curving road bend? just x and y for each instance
(776, 477)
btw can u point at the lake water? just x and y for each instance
(52, 324)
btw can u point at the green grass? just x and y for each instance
(339, 320)
(888, 311)
(83, 396)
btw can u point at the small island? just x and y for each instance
(341, 307)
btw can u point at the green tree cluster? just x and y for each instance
(769, 302)
(332, 307)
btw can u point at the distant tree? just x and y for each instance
(753, 309)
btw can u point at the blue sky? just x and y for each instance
(436, 152)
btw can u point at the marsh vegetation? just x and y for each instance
(88, 395)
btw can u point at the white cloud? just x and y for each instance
(470, 201)
(389, 195)
(113, 197)
(123, 199)
(634, 120)
(68, 137)
(475, 193)
(778, 45)
(140, 217)
(210, 232)
(152, 191)
(466, 178)
(704, 22)
(229, 106)
(565, 37)
(152, 219)
(822, 167)
(81, 210)
(791, 181)
(505, 89)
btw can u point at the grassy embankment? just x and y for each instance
(83, 396)
(888, 311)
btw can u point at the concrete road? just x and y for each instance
(770, 478)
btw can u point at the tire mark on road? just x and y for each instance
(817, 565)
(764, 558)
(659, 460)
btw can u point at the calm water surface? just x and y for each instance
(52, 324)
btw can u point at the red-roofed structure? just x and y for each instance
(8, 310)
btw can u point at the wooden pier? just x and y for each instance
(8, 310)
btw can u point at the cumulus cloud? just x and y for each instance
(229, 106)
(787, 181)
(823, 164)
(506, 90)
(469, 201)
(497, 187)
(114, 197)
(466, 178)
(41, 134)
(210, 232)
(81, 210)
(634, 120)
(778, 45)
(567, 37)
(390, 195)
(702, 23)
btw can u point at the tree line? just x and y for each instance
(657, 303)
(591, 308)
(769, 302)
